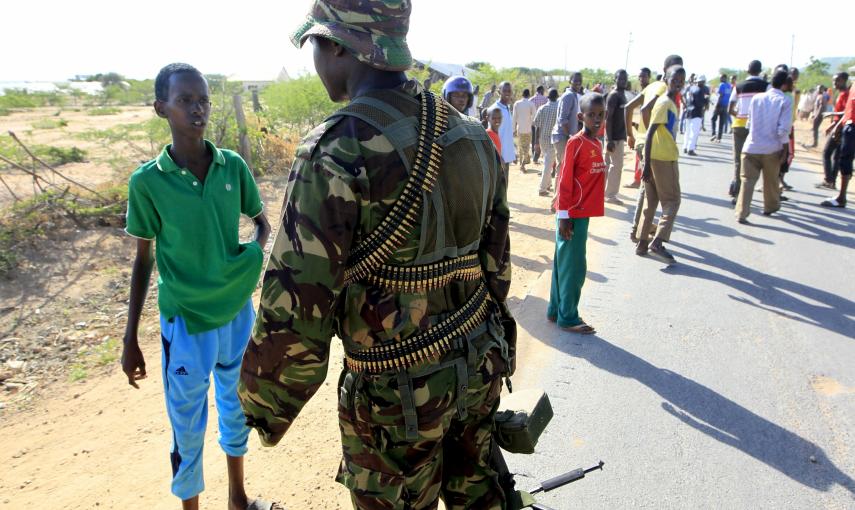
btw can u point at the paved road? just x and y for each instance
(725, 381)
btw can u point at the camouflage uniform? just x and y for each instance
(345, 179)
(408, 435)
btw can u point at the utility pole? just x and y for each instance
(628, 44)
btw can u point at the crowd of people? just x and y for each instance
(759, 112)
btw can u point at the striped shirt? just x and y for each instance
(539, 100)
(544, 121)
(745, 90)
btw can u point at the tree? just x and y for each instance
(590, 77)
(818, 67)
(111, 79)
(815, 73)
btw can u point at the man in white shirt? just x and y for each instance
(770, 118)
(523, 117)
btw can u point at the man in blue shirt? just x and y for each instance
(567, 123)
(720, 113)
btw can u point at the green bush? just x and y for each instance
(57, 156)
(49, 124)
(104, 110)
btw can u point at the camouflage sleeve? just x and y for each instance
(495, 249)
(287, 358)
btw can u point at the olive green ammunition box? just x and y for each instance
(518, 428)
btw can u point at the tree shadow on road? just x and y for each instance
(782, 296)
(698, 406)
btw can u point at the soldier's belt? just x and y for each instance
(427, 346)
(428, 276)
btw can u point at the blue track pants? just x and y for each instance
(188, 361)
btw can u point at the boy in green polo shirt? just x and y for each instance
(189, 200)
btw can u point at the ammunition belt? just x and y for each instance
(398, 224)
(426, 277)
(427, 346)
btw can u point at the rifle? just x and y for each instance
(518, 499)
(517, 430)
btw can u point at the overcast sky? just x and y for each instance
(55, 40)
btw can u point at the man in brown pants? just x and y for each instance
(661, 173)
(770, 118)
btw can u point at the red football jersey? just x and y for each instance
(582, 180)
(496, 141)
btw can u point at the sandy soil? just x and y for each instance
(97, 442)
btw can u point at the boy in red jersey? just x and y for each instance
(581, 195)
(494, 117)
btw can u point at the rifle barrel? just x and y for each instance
(569, 477)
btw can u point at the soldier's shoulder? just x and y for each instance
(338, 130)
(310, 142)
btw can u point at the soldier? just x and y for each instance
(394, 237)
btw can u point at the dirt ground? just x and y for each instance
(76, 436)
(93, 172)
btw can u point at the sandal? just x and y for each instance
(833, 202)
(581, 329)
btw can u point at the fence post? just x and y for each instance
(243, 137)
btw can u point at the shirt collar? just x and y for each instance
(165, 163)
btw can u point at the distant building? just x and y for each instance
(440, 71)
(253, 83)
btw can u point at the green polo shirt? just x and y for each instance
(206, 274)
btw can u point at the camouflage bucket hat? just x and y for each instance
(375, 31)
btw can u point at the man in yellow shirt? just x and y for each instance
(661, 173)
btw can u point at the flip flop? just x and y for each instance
(581, 329)
(833, 203)
(260, 504)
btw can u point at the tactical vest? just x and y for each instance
(429, 240)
